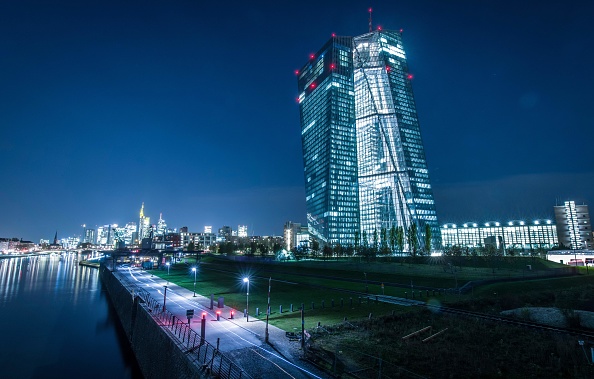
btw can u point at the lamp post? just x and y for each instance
(164, 299)
(247, 300)
(194, 269)
(267, 310)
(168, 264)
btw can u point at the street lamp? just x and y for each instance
(164, 299)
(168, 264)
(194, 269)
(247, 300)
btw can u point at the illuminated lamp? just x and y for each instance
(536, 222)
(486, 224)
(312, 56)
(379, 28)
(401, 30)
(388, 68)
(548, 221)
(409, 76)
(465, 225)
(332, 66)
(370, 10)
(496, 224)
(510, 223)
(312, 85)
(333, 34)
(475, 225)
(521, 222)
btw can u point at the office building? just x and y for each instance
(518, 235)
(573, 226)
(364, 161)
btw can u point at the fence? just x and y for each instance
(197, 348)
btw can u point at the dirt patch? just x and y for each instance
(551, 316)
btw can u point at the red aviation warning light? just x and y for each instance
(332, 66)
(312, 85)
(388, 68)
(409, 76)
(312, 56)
(333, 34)
(379, 28)
(296, 72)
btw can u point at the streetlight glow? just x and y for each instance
(194, 269)
(247, 300)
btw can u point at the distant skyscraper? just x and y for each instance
(573, 225)
(161, 226)
(364, 162)
(144, 225)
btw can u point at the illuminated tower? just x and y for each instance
(144, 225)
(364, 161)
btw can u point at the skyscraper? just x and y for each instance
(573, 225)
(364, 161)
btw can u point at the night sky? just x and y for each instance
(191, 108)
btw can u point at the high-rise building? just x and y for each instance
(573, 225)
(364, 161)
(144, 225)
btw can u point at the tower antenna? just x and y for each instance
(370, 10)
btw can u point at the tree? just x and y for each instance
(375, 246)
(400, 238)
(393, 238)
(327, 251)
(357, 242)
(191, 246)
(315, 246)
(338, 250)
(412, 239)
(428, 239)
(384, 249)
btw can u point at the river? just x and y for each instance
(57, 322)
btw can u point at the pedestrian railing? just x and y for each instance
(201, 351)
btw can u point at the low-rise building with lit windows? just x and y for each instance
(516, 234)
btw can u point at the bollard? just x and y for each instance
(291, 307)
(218, 315)
(202, 328)
(257, 311)
(244, 312)
(280, 309)
(231, 314)
(211, 300)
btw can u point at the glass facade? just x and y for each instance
(511, 235)
(361, 133)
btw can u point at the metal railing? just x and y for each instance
(201, 351)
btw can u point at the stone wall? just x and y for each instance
(157, 353)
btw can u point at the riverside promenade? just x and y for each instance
(231, 347)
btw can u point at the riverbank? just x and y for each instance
(8, 256)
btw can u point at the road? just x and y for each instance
(241, 341)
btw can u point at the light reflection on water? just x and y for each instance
(56, 322)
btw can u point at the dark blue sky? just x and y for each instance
(190, 108)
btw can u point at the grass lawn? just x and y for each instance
(318, 284)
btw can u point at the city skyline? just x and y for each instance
(192, 109)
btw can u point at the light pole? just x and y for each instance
(168, 264)
(247, 300)
(268, 309)
(164, 299)
(194, 269)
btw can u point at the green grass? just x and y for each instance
(315, 282)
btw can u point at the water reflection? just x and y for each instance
(56, 323)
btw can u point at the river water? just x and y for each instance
(57, 322)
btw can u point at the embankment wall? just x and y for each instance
(157, 353)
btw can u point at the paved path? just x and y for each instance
(240, 340)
